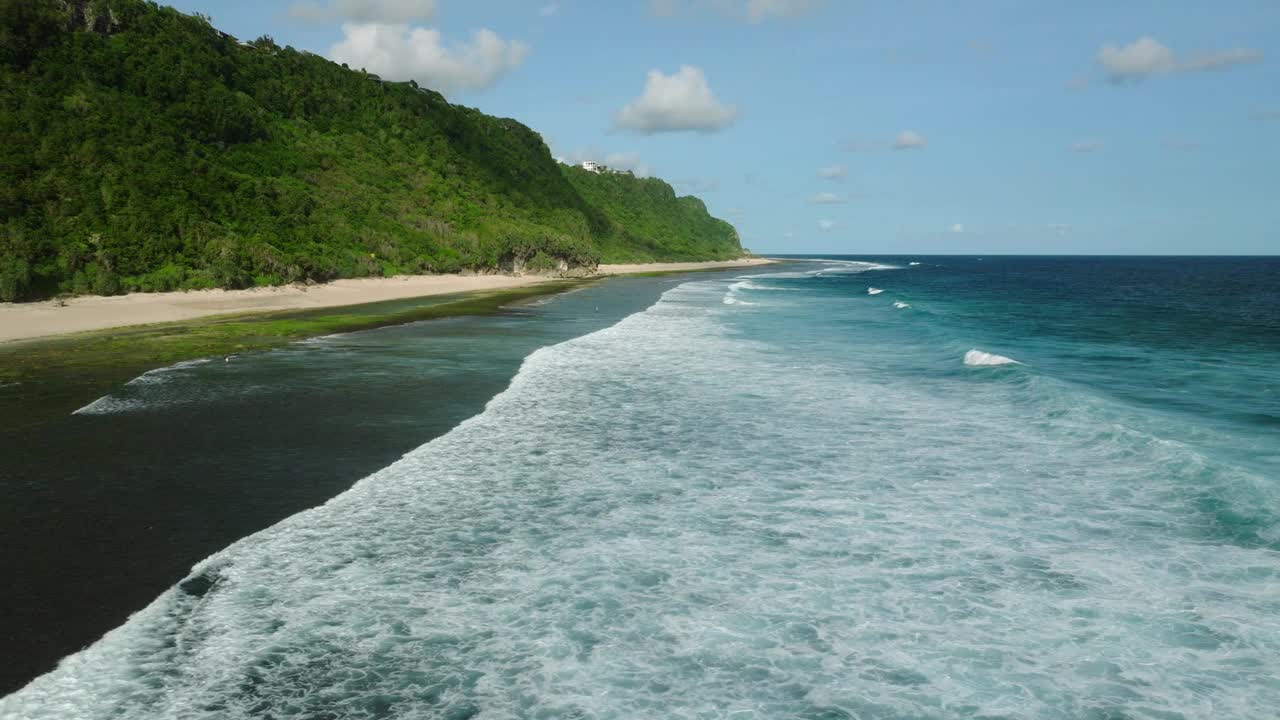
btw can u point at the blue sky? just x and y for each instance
(984, 127)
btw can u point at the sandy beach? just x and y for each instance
(25, 321)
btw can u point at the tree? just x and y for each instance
(26, 28)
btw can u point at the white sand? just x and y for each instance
(23, 321)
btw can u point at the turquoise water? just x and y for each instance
(997, 488)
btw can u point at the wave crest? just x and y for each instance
(978, 357)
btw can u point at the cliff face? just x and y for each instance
(90, 16)
(145, 150)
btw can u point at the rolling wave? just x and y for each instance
(682, 512)
(116, 403)
(978, 357)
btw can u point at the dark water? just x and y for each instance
(104, 510)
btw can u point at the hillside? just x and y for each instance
(145, 150)
(650, 222)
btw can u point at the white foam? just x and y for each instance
(320, 339)
(901, 305)
(978, 357)
(913, 263)
(789, 275)
(746, 284)
(140, 392)
(874, 291)
(845, 267)
(108, 404)
(851, 265)
(669, 519)
(160, 375)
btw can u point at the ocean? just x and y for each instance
(841, 487)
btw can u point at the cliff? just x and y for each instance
(145, 150)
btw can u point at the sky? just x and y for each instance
(840, 126)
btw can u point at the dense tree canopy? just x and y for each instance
(144, 150)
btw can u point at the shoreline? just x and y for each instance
(50, 319)
(220, 465)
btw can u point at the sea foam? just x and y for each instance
(682, 516)
(978, 357)
(115, 403)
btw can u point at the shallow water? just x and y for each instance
(779, 496)
(106, 508)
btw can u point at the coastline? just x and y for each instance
(51, 319)
(271, 434)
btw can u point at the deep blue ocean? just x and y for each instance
(908, 487)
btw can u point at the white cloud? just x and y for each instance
(825, 225)
(398, 52)
(549, 9)
(1146, 56)
(682, 101)
(909, 140)
(364, 11)
(1140, 58)
(957, 228)
(755, 11)
(833, 172)
(826, 198)
(1085, 146)
(1221, 59)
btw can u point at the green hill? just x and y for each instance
(145, 150)
(651, 223)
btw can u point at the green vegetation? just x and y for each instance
(651, 223)
(145, 151)
(66, 372)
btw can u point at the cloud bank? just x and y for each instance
(398, 52)
(677, 102)
(364, 11)
(1146, 56)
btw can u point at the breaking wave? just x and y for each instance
(118, 402)
(706, 512)
(978, 357)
